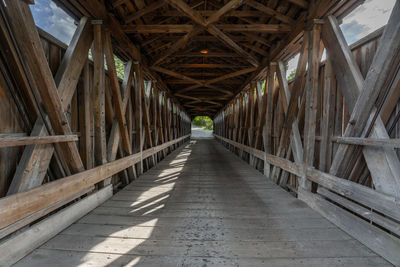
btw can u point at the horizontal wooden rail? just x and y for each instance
(349, 195)
(379, 142)
(21, 205)
(388, 205)
(36, 140)
(39, 214)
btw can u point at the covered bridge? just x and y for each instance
(97, 166)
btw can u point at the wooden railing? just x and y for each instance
(353, 207)
(20, 209)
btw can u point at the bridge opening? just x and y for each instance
(202, 127)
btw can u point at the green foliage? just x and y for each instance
(119, 65)
(204, 122)
(291, 75)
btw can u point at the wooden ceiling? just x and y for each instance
(235, 37)
(238, 35)
(241, 37)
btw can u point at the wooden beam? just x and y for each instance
(209, 54)
(311, 98)
(178, 45)
(146, 117)
(376, 142)
(178, 28)
(292, 111)
(142, 12)
(209, 13)
(327, 117)
(209, 88)
(205, 65)
(177, 81)
(112, 145)
(186, 9)
(199, 99)
(267, 129)
(35, 140)
(255, 49)
(218, 79)
(262, 28)
(118, 105)
(18, 206)
(174, 74)
(386, 58)
(230, 5)
(383, 164)
(35, 159)
(295, 138)
(212, 29)
(300, 3)
(74, 59)
(85, 115)
(195, 31)
(21, 244)
(369, 197)
(387, 246)
(271, 12)
(34, 58)
(139, 84)
(99, 97)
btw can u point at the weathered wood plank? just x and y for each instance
(36, 140)
(23, 243)
(36, 159)
(379, 241)
(18, 206)
(241, 221)
(100, 148)
(382, 163)
(85, 115)
(311, 98)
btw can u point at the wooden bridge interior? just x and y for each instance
(98, 168)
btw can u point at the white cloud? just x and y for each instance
(367, 18)
(62, 26)
(52, 19)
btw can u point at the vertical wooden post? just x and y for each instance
(99, 95)
(311, 100)
(85, 141)
(269, 87)
(154, 99)
(146, 117)
(167, 117)
(138, 113)
(326, 117)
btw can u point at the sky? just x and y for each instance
(49, 17)
(364, 20)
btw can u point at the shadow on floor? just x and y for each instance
(202, 206)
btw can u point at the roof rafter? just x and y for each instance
(212, 29)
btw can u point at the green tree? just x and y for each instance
(291, 75)
(119, 65)
(203, 121)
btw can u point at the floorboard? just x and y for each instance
(202, 206)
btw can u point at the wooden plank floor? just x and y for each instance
(202, 206)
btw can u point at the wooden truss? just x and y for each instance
(75, 128)
(326, 133)
(87, 125)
